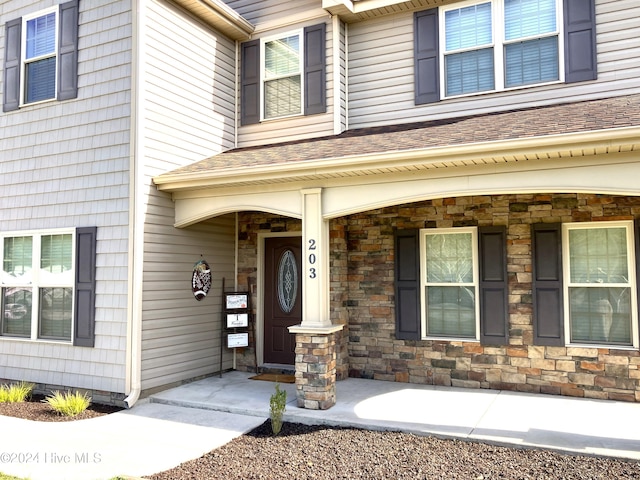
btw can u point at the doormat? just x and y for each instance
(275, 377)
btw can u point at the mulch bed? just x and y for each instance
(36, 409)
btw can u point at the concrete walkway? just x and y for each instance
(185, 422)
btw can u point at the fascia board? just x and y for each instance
(601, 139)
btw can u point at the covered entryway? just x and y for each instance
(282, 298)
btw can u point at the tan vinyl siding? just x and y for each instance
(66, 164)
(381, 89)
(182, 336)
(189, 115)
(299, 126)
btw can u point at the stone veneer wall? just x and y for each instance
(603, 373)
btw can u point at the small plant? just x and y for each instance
(277, 404)
(67, 403)
(15, 393)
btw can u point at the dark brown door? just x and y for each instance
(282, 298)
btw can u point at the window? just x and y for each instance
(282, 67)
(450, 282)
(48, 279)
(492, 45)
(599, 294)
(41, 56)
(283, 76)
(495, 45)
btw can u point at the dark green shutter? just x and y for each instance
(68, 51)
(494, 282)
(85, 292)
(250, 83)
(315, 97)
(407, 285)
(12, 38)
(426, 58)
(548, 313)
(580, 41)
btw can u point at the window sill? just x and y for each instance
(7, 338)
(627, 348)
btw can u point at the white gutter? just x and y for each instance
(133, 384)
(580, 141)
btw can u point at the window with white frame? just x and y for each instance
(37, 285)
(282, 75)
(499, 44)
(600, 295)
(449, 282)
(39, 55)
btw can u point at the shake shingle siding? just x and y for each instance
(65, 164)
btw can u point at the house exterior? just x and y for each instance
(435, 192)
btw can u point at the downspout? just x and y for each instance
(133, 384)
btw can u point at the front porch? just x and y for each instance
(529, 420)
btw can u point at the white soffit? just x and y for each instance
(352, 11)
(220, 16)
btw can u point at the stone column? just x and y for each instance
(316, 367)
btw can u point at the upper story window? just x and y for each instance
(40, 47)
(283, 76)
(41, 57)
(495, 45)
(476, 46)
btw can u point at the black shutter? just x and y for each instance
(12, 38)
(85, 293)
(407, 285)
(494, 282)
(427, 76)
(315, 96)
(250, 83)
(68, 51)
(546, 251)
(580, 41)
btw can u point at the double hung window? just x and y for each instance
(599, 295)
(41, 57)
(47, 285)
(37, 286)
(450, 283)
(499, 44)
(40, 47)
(283, 76)
(282, 73)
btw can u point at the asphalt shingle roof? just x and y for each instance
(591, 115)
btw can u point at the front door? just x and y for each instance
(282, 297)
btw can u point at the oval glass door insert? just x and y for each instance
(287, 281)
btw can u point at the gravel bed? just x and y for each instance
(319, 452)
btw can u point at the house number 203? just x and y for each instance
(312, 258)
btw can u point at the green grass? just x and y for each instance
(67, 403)
(16, 392)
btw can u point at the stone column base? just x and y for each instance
(316, 366)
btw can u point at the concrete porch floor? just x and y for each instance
(584, 426)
